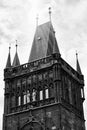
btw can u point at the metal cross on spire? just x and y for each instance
(50, 13)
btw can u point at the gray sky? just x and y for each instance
(18, 21)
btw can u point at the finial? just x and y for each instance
(16, 45)
(76, 55)
(50, 13)
(37, 20)
(9, 47)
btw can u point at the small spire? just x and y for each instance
(9, 59)
(16, 61)
(78, 69)
(50, 13)
(37, 18)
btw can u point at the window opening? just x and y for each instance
(19, 100)
(46, 93)
(34, 95)
(41, 95)
(28, 96)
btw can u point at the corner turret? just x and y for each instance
(8, 64)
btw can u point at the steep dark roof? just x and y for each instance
(44, 42)
(16, 61)
(8, 64)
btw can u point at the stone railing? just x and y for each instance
(31, 66)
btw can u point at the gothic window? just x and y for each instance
(24, 97)
(34, 95)
(19, 100)
(28, 96)
(46, 93)
(41, 94)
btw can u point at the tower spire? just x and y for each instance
(16, 61)
(50, 13)
(9, 59)
(78, 69)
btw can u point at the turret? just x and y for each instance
(16, 61)
(8, 64)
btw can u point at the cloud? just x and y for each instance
(72, 2)
(13, 14)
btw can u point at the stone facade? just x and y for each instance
(46, 94)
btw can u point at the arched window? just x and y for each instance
(34, 95)
(19, 100)
(24, 97)
(41, 94)
(46, 92)
(28, 96)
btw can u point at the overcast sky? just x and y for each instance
(18, 22)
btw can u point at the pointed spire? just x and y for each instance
(9, 59)
(50, 13)
(44, 43)
(16, 61)
(78, 69)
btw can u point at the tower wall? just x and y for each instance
(44, 94)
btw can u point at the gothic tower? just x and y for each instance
(46, 93)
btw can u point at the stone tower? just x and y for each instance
(46, 93)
